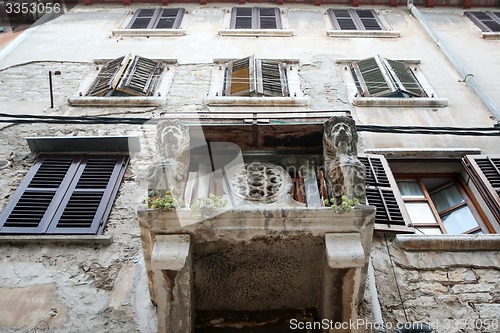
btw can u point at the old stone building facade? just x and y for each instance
(255, 81)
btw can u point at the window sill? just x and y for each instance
(400, 102)
(257, 32)
(257, 101)
(116, 101)
(453, 243)
(149, 32)
(91, 240)
(364, 33)
(491, 35)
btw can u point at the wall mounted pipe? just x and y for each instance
(467, 76)
(376, 311)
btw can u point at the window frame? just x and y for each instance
(230, 24)
(455, 180)
(355, 91)
(151, 29)
(335, 30)
(63, 193)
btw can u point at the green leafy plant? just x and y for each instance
(346, 205)
(164, 202)
(211, 203)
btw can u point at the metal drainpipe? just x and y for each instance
(468, 77)
(376, 311)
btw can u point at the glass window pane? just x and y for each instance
(429, 231)
(459, 221)
(446, 198)
(420, 212)
(410, 189)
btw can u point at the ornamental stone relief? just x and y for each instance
(260, 182)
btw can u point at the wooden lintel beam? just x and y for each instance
(467, 4)
(431, 3)
(355, 3)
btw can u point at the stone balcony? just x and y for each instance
(258, 258)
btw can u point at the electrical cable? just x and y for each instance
(395, 278)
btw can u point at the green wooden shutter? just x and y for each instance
(141, 77)
(484, 172)
(405, 78)
(108, 77)
(368, 19)
(240, 77)
(35, 202)
(271, 78)
(383, 193)
(487, 21)
(372, 77)
(87, 204)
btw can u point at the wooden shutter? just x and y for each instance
(169, 18)
(240, 77)
(141, 77)
(87, 203)
(383, 193)
(108, 77)
(368, 19)
(268, 18)
(242, 18)
(342, 19)
(64, 194)
(484, 172)
(144, 19)
(487, 21)
(372, 78)
(408, 83)
(271, 78)
(34, 203)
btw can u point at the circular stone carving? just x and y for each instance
(264, 182)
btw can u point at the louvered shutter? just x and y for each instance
(141, 77)
(484, 172)
(371, 78)
(108, 77)
(487, 21)
(407, 81)
(271, 78)
(169, 18)
(242, 18)
(35, 202)
(383, 193)
(240, 77)
(143, 19)
(268, 18)
(87, 204)
(342, 19)
(369, 19)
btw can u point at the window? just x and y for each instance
(255, 18)
(380, 81)
(358, 22)
(440, 205)
(255, 21)
(64, 194)
(255, 77)
(153, 22)
(125, 81)
(250, 81)
(160, 18)
(487, 21)
(355, 19)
